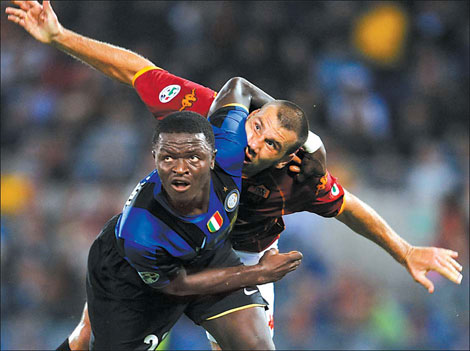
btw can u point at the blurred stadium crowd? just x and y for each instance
(385, 85)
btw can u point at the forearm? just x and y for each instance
(365, 221)
(115, 62)
(217, 280)
(239, 90)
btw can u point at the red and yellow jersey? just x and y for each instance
(273, 193)
(266, 197)
(164, 93)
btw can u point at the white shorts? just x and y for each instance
(266, 290)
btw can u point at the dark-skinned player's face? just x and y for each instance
(183, 162)
(268, 142)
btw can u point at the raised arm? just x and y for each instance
(41, 22)
(417, 260)
(271, 267)
(238, 90)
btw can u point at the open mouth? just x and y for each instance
(247, 157)
(180, 185)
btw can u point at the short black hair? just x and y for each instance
(292, 117)
(184, 122)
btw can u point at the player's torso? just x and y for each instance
(264, 200)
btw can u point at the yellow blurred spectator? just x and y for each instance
(380, 33)
(17, 191)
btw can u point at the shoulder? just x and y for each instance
(229, 117)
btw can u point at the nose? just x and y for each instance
(180, 166)
(254, 144)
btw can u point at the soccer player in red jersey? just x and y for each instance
(265, 197)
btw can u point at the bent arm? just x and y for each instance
(238, 90)
(213, 281)
(272, 267)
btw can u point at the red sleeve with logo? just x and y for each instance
(328, 199)
(164, 93)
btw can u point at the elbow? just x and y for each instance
(237, 83)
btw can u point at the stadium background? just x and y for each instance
(385, 85)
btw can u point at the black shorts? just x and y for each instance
(125, 313)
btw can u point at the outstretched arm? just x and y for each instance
(271, 267)
(41, 22)
(417, 260)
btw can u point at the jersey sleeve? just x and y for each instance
(228, 124)
(156, 267)
(164, 93)
(328, 197)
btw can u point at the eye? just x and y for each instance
(167, 158)
(257, 127)
(194, 158)
(269, 143)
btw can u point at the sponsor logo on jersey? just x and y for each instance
(231, 201)
(321, 184)
(249, 292)
(334, 190)
(168, 93)
(149, 277)
(215, 222)
(188, 100)
(259, 190)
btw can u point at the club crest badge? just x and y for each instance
(231, 201)
(215, 223)
(168, 93)
(334, 190)
(149, 277)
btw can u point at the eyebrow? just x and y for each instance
(277, 145)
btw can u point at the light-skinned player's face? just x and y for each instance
(268, 142)
(183, 162)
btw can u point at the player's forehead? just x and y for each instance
(182, 142)
(271, 126)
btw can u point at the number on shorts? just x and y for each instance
(152, 340)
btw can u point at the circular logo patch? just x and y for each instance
(231, 201)
(168, 93)
(334, 190)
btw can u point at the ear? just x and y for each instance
(253, 113)
(285, 160)
(153, 154)
(213, 159)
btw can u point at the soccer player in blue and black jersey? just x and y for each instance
(168, 253)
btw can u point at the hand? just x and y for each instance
(276, 265)
(307, 165)
(420, 260)
(38, 20)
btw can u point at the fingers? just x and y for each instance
(455, 264)
(297, 159)
(295, 255)
(451, 253)
(274, 251)
(47, 6)
(25, 5)
(424, 281)
(15, 12)
(294, 168)
(448, 270)
(15, 15)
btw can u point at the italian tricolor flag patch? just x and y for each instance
(215, 222)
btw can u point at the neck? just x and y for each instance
(191, 207)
